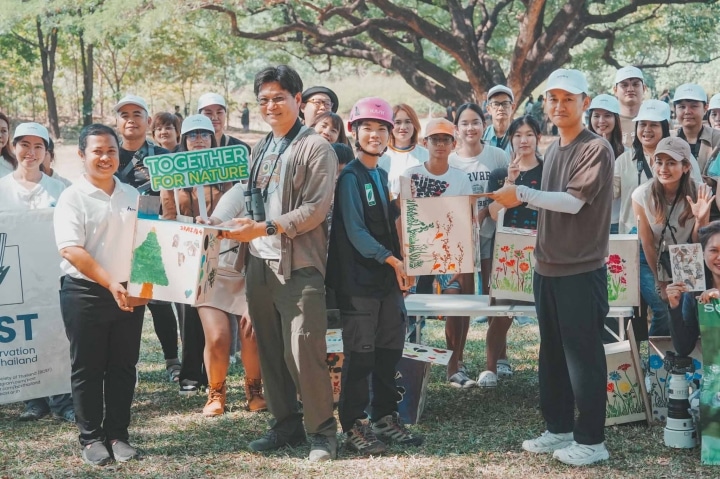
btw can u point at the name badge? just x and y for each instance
(369, 194)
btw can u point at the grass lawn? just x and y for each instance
(471, 433)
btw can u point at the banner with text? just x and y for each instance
(187, 169)
(34, 350)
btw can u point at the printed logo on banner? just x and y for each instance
(11, 291)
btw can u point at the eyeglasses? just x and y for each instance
(278, 100)
(501, 104)
(318, 103)
(193, 135)
(440, 140)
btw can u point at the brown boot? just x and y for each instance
(254, 395)
(215, 405)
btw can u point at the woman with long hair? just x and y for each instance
(8, 162)
(166, 130)
(229, 299)
(330, 126)
(478, 160)
(403, 149)
(670, 209)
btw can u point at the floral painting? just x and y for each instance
(616, 276)
(624, 394)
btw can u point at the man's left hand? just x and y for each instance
(506, 196)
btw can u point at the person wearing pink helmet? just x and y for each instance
(366, 270)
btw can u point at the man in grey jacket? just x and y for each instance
(293, 171)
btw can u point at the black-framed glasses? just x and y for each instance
(318, 103)
(501, 104)
(278, 100)
(193, 135)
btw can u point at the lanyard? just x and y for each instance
(283, 146)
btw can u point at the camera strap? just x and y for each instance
(642, 166)
(667, 224)
(286, 141)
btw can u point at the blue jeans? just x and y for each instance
(660, 325)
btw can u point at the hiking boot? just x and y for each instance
(391, 429)
(254, 394)
(275, 440)
(33, 412)
(122, 451)
(582, 454)
(322, 448)
(215, 405)
(548, 442)
(96, 454)
(363, 440)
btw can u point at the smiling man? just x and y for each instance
(213, 106)
(690, 103)
(570, 281)
(293, 174)
(501, 103)
(629, 89)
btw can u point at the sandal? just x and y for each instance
(504, 369)
(174, 372)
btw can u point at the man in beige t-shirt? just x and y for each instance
(629, 89)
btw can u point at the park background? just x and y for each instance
(65, 63)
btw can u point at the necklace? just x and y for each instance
(276, 141)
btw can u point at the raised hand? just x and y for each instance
(674, 292)
(701, 207)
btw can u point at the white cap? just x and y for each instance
(714, 102)
(628, 72)
(196, 122)
(606, 102)
(572, 81)
(211, 99)
(690, 91)
(32, 129)
(653, 110)
(500, 89)
(131, 100)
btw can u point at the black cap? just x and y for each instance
(321, 89)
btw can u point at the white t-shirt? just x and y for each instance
(424, 184)
(395, 162)
(478, 169)
(104, 225)
(61, 179)
(5, 167)
(14, 196)
(271, 174)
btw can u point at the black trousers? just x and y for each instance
(193, 345)
(104, 349)
(165, 326)
(572, 369)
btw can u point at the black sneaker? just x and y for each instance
(33, 413)
(122, 451)
(189, 387)
(274, 440)
(67, 415)
(363, 440)
(391, 429)
(96, 454)
(322, 448)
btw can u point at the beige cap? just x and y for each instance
(674, 147)
(439, 126)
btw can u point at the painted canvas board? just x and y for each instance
(624, 396)
(514, 266)
(639, 369)
(688, 265)
(657, 378)
(437, 235)
(709, 317)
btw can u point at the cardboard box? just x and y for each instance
(656, 377)
(172, 261)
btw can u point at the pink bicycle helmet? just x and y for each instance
(371, 108)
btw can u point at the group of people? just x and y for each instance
(625, 173)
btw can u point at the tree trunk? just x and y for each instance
(86, 54)
(48, 47)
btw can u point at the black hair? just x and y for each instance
(615, 135)
(704, 235)
(7, 150)
(51, 148)
(639, 154)
(183, 139)
(472, 106)
(344, 153)
(534, 126)
(96, 129)
(287, 77)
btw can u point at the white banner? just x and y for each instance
(34, 350)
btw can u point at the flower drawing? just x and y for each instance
(616, 277)
(623, 398)
(515, 269)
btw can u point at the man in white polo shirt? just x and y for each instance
(690, 103)
(629, 89)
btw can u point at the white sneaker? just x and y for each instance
(487, 379)
(582, 454)
(504, 370)
(548, 442)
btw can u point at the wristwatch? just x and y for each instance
(270, 228)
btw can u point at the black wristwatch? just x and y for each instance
(270, 228)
